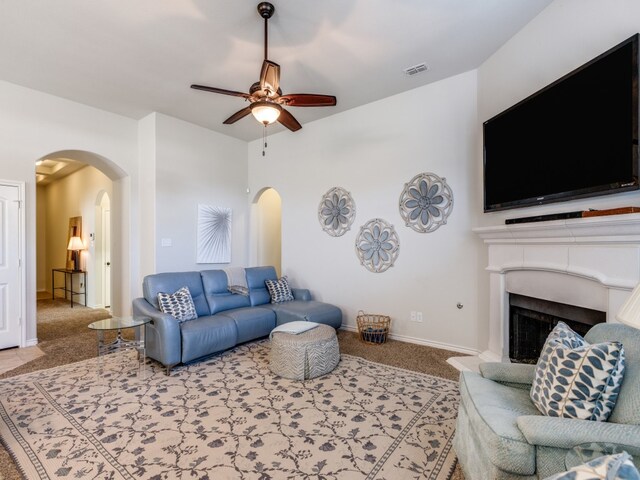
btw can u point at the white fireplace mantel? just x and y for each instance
(590, 262)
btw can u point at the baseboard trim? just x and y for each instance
(32, 342)
(421, 341)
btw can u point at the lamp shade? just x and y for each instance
(75, 243)
(266, 112)
(629, 313)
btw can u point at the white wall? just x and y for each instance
(371, 151)
(197, 166)
(35, 124)
(41, 242)
(71, 196)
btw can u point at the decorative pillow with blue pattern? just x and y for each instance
(575, 379)
(609, 467)
(179, 304)
(279, 290)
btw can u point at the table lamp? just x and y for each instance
(629, 313)
(75, 244)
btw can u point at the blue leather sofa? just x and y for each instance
(224, 319)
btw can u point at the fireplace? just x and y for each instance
(592, 263)
(532, 319)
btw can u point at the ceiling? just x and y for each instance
(137, 57)
(52, 169)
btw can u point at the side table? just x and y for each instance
(120, 343)
(68, 287)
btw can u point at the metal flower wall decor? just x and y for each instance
(426, 202)
(336, 211)
(377, 245)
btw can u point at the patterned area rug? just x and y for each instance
(228, 418)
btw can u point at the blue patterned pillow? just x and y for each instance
(574, 379)
(179, 304)
(609, 467)
(279, 290)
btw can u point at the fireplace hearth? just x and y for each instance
(532, 319)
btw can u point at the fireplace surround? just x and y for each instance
(592, 263)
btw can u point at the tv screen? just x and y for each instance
(575, 138)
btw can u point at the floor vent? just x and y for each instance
(414, 70)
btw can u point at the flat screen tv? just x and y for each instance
(575, 138)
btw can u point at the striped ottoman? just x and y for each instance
(304, 355)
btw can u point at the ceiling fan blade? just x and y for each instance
(237, 116)
(308, 100)
(270, 77)
(221, 90)
(289, 121)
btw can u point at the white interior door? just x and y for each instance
(10, 282)
(106, 256)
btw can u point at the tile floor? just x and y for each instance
(11, 358)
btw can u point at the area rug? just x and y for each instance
(228, 418)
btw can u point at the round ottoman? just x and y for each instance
(304, 355)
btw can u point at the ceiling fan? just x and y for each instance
(265, 97)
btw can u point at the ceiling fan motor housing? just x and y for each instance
(266, 9)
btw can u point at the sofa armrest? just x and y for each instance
(163, 339)
(301, 294)
(569, 432)
(509, 373)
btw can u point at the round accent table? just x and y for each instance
(304, 355)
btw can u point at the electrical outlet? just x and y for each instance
(413, 316)
(419, 317)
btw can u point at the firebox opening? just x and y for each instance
(532, 319)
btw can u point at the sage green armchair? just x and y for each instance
(500, 434)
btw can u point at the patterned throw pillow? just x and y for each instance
(279, 290)
(575, 379)
(609, 467)
(179, 304)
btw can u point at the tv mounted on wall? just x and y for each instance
(575, 138)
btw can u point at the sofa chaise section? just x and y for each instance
(224, 319)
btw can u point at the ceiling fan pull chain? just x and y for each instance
(264, 138)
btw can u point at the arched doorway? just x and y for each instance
(106, 232)
(267, 211)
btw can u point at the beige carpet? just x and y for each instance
(65, 338)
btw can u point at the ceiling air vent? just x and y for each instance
(415, 69)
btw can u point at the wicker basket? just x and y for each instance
(373, 328)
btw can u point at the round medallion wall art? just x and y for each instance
(336, 211)
(377, 245)
(426, 202)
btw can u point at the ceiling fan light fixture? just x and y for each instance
(266, 112)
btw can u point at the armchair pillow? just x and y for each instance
(609, 467)
(574, 379)
(279, 290)
(179, 304)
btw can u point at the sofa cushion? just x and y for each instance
(178, 304)
(172, 281)
(608, 467)
(493, 411)
(216, 290)
(207, 335)
(627, 409)
(256, 276)
(279, 290)
(309, 310)
(252, 322)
